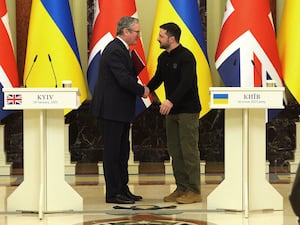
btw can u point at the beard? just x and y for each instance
(164, 45)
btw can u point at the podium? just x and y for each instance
(245, 186)
(44, 188)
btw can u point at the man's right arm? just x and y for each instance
(155, 82)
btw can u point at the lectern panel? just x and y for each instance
(240, 97)
(41, 98)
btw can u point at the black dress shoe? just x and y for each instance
(120, 199)
(129, 195)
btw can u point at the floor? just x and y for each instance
(152, 187)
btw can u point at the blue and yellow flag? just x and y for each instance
(289, 46)
(187, 17)
(52, 52)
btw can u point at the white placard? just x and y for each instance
(41, 98)
(238, 97)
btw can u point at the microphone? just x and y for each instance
(232, 73)
(253, 63)
(258, 72)
(49, 57)
(34, 60)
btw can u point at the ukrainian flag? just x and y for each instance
(186, 14)
(52, 52)
(221, 99)
(289, 46)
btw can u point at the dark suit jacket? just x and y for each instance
(116, 89)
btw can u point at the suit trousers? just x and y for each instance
(115, 156)
(182, 137)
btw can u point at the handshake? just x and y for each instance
(165, 107)
(146, 92)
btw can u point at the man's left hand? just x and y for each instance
(165, 107)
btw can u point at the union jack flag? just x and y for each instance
(247, 54)
(14, 99)
(104, 29)
(8, 67)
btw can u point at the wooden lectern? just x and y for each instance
(44, 188)
(245, 186)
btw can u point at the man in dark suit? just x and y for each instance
(113, 103)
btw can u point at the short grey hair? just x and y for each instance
(126, 22)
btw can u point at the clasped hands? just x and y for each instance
(146, 92)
